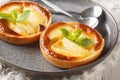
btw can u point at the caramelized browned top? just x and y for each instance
(45, 41)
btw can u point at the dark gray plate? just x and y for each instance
(29, 58)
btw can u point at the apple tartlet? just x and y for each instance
(70, 44)
(21, 22)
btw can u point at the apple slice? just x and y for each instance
(24, 29)
(68, 48)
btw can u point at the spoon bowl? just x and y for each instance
(92, 21)
(94, 11)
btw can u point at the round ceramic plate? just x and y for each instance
(29, 58)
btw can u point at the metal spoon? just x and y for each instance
(94, 11)
(90, 21)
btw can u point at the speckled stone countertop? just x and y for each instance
(107, 70)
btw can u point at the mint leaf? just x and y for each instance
(7, 16)
(77, 33)
(76, 37)
(23, 16)
(66, 33)
(84, 41)
(14, 14)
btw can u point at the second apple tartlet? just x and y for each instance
(70, 44)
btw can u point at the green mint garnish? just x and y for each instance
(14, 14)
(76, 37)
(7, 16)
(13, 17)
(84, 41)
(23, 16)
(67, 34)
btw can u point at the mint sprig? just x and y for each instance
(66, 33)
(76, 37)
(23, 16)
(84, 41)
(76, 34)
(13, 17)
(7, 16)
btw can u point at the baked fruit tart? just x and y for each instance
(70, 44)
(21, 22)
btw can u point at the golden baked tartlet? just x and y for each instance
(21, 22)
(70, 44)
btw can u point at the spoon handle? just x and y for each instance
(56, 8)
(71, 12)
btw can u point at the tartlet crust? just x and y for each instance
(10, 36)
(63, 61)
